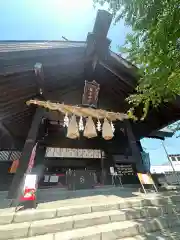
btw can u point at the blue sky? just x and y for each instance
(52, 19)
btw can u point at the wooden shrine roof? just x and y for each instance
(66, 66)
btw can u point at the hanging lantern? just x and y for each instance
(98, 126)
(73, 131)
(90, 129)
(81, 124)
(66, 121)
(107, 132)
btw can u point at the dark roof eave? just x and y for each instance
(161, 134)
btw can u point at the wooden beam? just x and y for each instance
(26, 153)
(102, 23)
(65, 38)
(5, 131)
(97, 43)
(116, 74)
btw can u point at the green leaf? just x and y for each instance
(153, 46)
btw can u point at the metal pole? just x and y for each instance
(171, 163)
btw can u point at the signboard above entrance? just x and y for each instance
(73, 153)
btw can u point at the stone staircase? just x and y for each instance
(96, 218)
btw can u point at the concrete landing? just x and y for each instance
(53, 198)
(57, 197)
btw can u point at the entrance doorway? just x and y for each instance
(61, 166)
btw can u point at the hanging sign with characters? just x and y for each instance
(73, 153)
(124, 170)
(91, 91)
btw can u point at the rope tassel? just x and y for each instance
(90, 129)
(107, 132)
(73, 131)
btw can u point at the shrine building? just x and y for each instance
(65, 100)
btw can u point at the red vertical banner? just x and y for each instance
(31, 160)
(29, 188)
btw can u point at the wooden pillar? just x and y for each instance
(135, 150)
(102, 168)
(26, 153)
(108, 162)
(39, 163)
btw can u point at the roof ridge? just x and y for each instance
(39, 41)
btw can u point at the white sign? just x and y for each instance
(73, 153)
(46, 178)
(112, 170)
(30, 181)
(54, 179)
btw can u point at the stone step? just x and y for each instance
(112, 231)
(9, 216)
(62, 194)
(150, 199)
(99, 217)
(55, 194)
(27, 229)
(154, 208)
(169, 234)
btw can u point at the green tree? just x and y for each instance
(153, 46)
